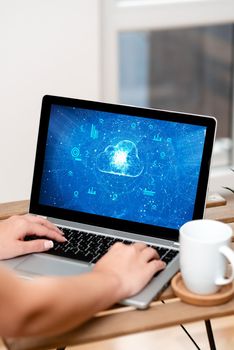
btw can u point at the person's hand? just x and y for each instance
(134, 265)
(14, 230)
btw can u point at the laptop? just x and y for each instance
(105, 173)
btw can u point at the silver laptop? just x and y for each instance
(106, 173)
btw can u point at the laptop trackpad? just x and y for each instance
(47, 265)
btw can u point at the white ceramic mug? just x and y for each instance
(204, 253)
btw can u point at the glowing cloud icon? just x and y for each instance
(121, 159)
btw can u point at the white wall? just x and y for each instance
(46, 47)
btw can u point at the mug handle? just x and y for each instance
(229, 255)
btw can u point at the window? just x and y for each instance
(174, 55)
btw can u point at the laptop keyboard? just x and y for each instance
(89, 247)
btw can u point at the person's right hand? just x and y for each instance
(134, 265)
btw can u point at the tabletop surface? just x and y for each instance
(123, 320)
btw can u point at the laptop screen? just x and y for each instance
(123, 165)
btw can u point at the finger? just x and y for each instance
(149, 254)
(116, 247)
(154, 266)
(41, 230)
(139, 246)
(36, 246)
(44, 222)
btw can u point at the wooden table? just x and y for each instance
(124, 320)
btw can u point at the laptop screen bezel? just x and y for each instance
(109, 222)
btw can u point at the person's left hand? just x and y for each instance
(14, 230)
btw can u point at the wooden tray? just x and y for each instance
(222, 296)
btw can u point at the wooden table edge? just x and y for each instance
(109, 326)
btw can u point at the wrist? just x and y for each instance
(113, 285)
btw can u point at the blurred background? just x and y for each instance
(169, 54)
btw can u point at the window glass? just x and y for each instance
(188, 70)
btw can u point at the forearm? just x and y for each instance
(54, 305)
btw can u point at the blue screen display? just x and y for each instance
(121, 166)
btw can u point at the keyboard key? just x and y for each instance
(127, 242)
(169, 256)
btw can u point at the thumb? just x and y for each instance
(36, 246)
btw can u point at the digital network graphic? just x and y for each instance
(121, 166)
(121, 159)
